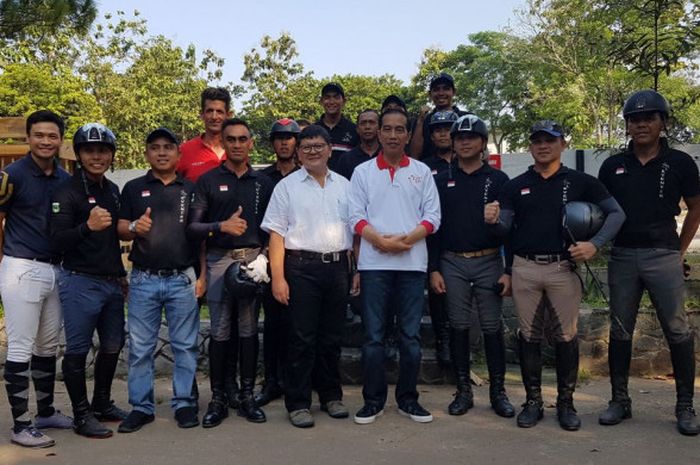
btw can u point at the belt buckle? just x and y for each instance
(165, 273)
(542, 259)
(333, 257)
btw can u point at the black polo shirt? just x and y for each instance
(274, 174)
(428, 147)
(436, 164)
(352, 159)
(166, 246)
(343, 139)
(537, 203)
(85, 251)
(25, 198)
(217, 195)
(462, 200)
(650, 195)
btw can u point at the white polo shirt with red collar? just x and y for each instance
(393, 201)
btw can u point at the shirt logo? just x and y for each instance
(525, 191)
(55, 207)
(145, 193)
(620, 170)
(450, 183)
(415, 179)
(92, 200)
(433, 172)
(223, 188)
(347, 137)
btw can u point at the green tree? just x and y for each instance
(22, 18)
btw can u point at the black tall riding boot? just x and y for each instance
(102, 404)
(249, 362)
(464, 398)
(231, 374)
(531, 371)
(683, 359)
(495, 349)
(84, 422)
(567, 373)
(620, 407)
(441, 327)
(272, 388)
(217, 409)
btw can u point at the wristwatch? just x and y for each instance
(132, 226)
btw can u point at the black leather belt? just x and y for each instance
(96, 276)
(164, 273)
(236, 254)
(545, 259)
(325, 257)
(51, 260)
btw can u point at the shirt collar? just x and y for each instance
(330, 175)
(150, 177)
(383, 165)
(250, 172)
(36, 171)
(562, 170)
(663, 150)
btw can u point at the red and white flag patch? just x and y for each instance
(450, 183)
(92, 200)
(145, 193)
(223, 188)
(620, 170)
(525, 191)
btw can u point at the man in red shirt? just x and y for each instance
(205, 152)
(199, 155)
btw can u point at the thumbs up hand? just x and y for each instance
(144, 223)
(235, 225)
(491, 212)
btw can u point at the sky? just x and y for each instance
(350, 37)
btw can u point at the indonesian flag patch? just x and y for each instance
(145, 193)
(223, 188)
(620, 170)
(525, 191)
(450, 183)
(92, 200)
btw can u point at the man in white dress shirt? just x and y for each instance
(310, 242)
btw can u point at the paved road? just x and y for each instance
(480, 437)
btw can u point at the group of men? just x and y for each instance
(344, 211)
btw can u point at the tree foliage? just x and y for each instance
(25, 18)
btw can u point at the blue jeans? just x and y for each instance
(406, 290)
(89, 304)
(148, 295)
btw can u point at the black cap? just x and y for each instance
(393, 99)
(333, 87)
(162, 132)
(442, 78)
(550, 127)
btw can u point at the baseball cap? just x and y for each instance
(394, 99)
(332, 87)
(550, 127)
(162, 132)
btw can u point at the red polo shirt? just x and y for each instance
(197, 158)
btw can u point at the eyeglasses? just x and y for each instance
(312, 148)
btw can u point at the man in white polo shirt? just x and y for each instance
(310, 243)
(394, 205)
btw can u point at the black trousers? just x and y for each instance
(318, 298)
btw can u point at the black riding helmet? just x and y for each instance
(237, 282)
(442, 118)
(646, 101)
(284, 126)
(582, 219)
(94, 133)
(470, 123)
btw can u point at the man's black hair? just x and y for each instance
(216, 93)
(367, 110)
(45, 116)
(236, 122)
(393, 111)
(312, 131)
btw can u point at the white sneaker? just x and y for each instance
(31, 437)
